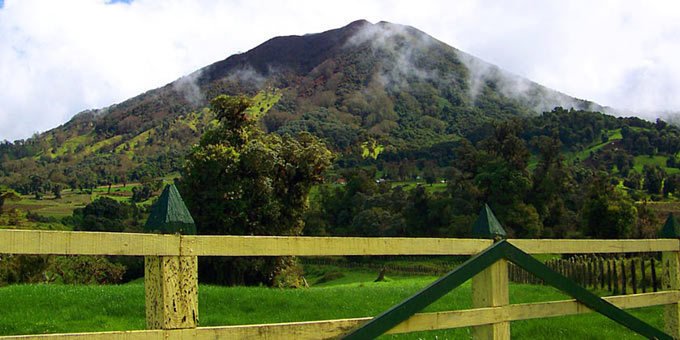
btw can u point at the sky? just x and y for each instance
(58, 58)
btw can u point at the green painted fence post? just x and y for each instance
(670, 261)
(490, 286)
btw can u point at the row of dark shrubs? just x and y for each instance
(74, 269)
(103, 214)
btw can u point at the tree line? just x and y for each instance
(519, 167)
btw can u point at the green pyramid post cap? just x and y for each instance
(670, 229)
(170, 215)
(487, 225)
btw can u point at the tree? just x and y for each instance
(56, 190)
(633, 180)
(671, 185)
(105, 214)
(417, 211)
(654, 176)
(141, 193)
(501, 183)
(429, 174)
(240, 181)
(522, 220)
(37, 186)
(6, 195)
(552, 182)
(606, 213)
(506, 144)
(122, 169)
(375, 222)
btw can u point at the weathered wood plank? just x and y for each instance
(153, 292)
(13, 241)
(334, 328)
(171, 289)
(528, 311)
(320, 246)
(553, 246)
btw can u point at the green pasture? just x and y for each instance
(641, 161)
(50, 206)
(585, 153)
(32, 309)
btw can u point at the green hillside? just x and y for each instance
(395, 105)
(363, 82)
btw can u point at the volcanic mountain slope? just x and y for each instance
(381, 81)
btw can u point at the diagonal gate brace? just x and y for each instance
(501, 250)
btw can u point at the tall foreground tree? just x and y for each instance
(240, 181)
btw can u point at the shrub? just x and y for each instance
(289, 275)
(23, 268)
(87, 270)
(65, 269)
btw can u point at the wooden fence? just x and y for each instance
(171, 283)
(615, 274)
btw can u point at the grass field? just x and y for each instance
(35, 309)
(49, 206)
(641, 161)
(410, 185)
(612, 134)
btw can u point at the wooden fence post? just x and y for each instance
(490, 289)
(624, 280)
(655, 284)
(643, 280)
(171, 282)
(632, 276)
(490, 286)
(171, 289)
(609, 275)
(615, 277)
(670, 279)
(600, 263)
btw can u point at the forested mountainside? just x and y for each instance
(382, 83)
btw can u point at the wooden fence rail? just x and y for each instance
(171, 266)
(36, 242)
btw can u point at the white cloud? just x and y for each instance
(61, 57)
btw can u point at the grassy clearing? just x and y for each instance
(49, 206)
(641, 161)
(131, 144)
(410, 185)
(60, 308)
(584, 154)
(106, 142)
(70, 145)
